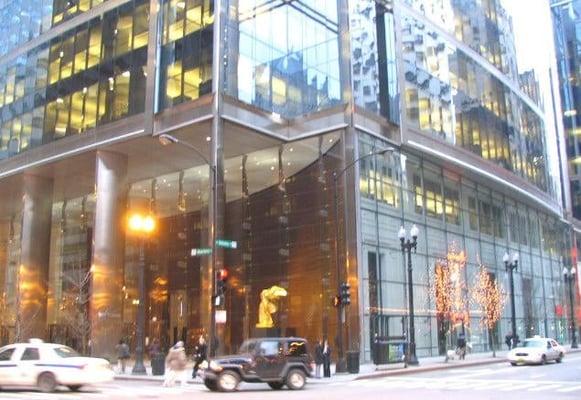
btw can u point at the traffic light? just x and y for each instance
(221, 279)
(345, 294)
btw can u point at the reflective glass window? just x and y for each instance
(283, 57)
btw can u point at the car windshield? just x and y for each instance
(247, 347)
(534, 343)
(65, 352)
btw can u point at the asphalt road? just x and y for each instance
(490, 382)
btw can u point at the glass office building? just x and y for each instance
(279, 100)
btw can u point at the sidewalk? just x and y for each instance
(366, 371)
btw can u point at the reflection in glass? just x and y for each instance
(69, 272)
(450, 96)
(282, 57)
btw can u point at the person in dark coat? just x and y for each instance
(319, 359)
(461, 346)
(508, 340)
(326, 359)
(122, 355)
(200, 355)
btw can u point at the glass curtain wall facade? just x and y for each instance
(566, 19)
(304, 89)
(454, 215)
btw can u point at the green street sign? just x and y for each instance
(227, 244)
(204, 251)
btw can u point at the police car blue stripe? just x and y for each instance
(59, 366)
(7, 365)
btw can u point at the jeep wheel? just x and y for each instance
(46, 382)
(276, 385)
(296, 379)
(560, 358)
(228, 381)
(211, 384)
(74, 388)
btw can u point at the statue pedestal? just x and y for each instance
(266, 332)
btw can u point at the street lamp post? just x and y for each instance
(406, 246)
(166, 140)
(141, 226)
(569, 276)
(510, 265)
(341, 364)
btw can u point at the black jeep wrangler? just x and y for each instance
(276, 361)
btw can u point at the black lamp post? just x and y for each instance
(511, 264)
(341, 364)
(166, 140)
(570, 276)
(406, 246)
(141, 226)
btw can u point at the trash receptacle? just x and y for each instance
(353, 362)
(158, 364)
(379, 353)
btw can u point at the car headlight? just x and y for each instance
(214, 366)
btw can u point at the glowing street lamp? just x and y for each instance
(141, 226)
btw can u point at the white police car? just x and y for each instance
(536, 350)
(48, 365)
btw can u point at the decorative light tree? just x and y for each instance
(490, 297)
(449, 289)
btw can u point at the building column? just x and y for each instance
(108, 253)
(32, 274)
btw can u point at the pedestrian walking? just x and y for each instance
(508, 340)
(175, 365)
(200, 355)
(122, 356)
(326, 359)
(319, 359)
(154, 349)
(461, 346)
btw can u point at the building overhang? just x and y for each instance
(481, 171)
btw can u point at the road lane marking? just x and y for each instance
(569, 389)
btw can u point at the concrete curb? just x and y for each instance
(416, 370)
(150, 378)
(437, 367)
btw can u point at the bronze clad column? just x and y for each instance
(108, 253)
(32, 275)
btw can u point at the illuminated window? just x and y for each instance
(174, 80)
(141, 26)
(91, 102)
(81, 44)
(94, 54)
(77, 116)
(424, 110)
(123, 34)
(121, 102)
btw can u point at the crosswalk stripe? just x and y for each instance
(492, 386)
(544, 387)
(569, 389)
(517, 386)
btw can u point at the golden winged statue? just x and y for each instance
(267, 305)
